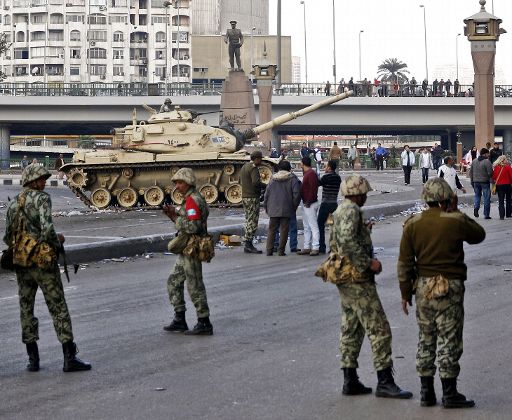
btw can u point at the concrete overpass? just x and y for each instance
(442, 116)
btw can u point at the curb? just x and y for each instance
(128, 247)
(17, 181)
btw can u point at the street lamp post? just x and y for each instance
(457, 54)
(425, 31)
(252, 50)
(360, 32)
(303, 2)
(166, 5)
(177, 5)
(334, 42)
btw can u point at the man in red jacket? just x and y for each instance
(309, 195)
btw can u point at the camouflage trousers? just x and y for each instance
(362, 313)
(252, 215)
(189, 270)
(29, 279)
(440, 322)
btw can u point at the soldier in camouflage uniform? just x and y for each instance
(33, 206)
(190, 218)
(360, 303)
(251, 191)
(431, 261)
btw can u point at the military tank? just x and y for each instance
(146, 154)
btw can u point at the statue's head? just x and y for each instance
(233, 23)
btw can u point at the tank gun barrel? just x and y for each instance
(293, 115)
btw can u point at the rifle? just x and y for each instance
(64, 260)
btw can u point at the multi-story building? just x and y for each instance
(212, 17)
(96, 40)
(295, 69)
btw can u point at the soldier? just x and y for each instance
(235, 39)
(360, 303)
(190, 218)
(251, 191)
(31, 212)
(432, 262)
(166, 106)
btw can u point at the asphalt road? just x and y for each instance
(274, 353)
(81, 226)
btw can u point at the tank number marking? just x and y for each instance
(173, 142)
(217, 139)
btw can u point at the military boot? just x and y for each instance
(352, 385)
(71, 362)
(251, 249)
(451, 397)
(178, 324)
(33, 357)
(428, 393)
(386, 386)
(203, 327)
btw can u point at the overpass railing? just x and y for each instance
(208, 89)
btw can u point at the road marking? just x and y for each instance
(9, 297)
(94, 237)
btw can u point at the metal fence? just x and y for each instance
(212, 89)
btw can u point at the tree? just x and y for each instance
(392, 70)
(4, 46)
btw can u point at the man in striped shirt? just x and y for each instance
(331, 186)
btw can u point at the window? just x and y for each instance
(158, 19)
(160, 37)
(97, 35)
(54, 69)
(74, 36)
(118, 19)
(160, 54)
(97, 19)
(98, 69)
(97, 53)
(118, 36)
(21, 53)
(119, 3)
(74, 53)
(38, 18)
(54, 51)
(118, 54)
(56, 35)
(98, 2)
(20, 36)
(75, 18)
(138, 53)
(118, 71)
(157, 4)
(183, 36)
(56, 18)
(37, 52)
(160, 71)
(74, 71)
(7, 36)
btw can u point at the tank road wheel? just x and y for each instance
(210, 193)
(265, 173)
(176, 196)
(233, 194)
(100, 198)
(77, 178)
(229, 169)
(127, 197)
(154, 196)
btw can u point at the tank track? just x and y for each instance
(81, 193)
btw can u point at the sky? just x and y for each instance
(392, 29)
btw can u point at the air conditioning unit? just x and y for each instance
(103, 76)
(121, 74)
(6, 7)
(61, 55)
(69, 4)
(103, 8)
(144, 61)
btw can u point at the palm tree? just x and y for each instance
(392, 70)
(4, 46)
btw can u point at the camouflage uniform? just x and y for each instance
(360, 303)
(189, 268)
(252, 215)
(37, 215)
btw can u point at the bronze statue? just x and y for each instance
(235, 39)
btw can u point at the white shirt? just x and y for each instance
(425, 160)
(403, 156)
(449, 175)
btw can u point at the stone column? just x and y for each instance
(5, 147)
(265, 109)
(507, 141)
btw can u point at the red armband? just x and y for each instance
(192, 209)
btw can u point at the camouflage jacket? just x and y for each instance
(192, 214)
(37, 215)
(350, 237)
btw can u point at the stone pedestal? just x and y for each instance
(237, 101)
(5, 147)
(265, 109)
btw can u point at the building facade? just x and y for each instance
(296, 69)
(107, 41)
(212, 17)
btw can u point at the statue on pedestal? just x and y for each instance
(235, 40)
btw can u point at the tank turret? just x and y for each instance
(147, 153)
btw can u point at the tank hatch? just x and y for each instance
(178, 115)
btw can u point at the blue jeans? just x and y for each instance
(485, 189)
(292, 232)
